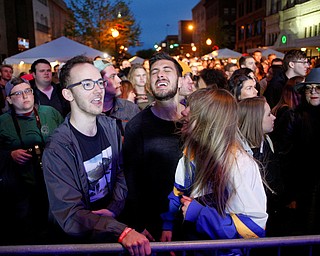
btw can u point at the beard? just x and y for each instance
(164, 95)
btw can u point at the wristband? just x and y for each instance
(124, 234)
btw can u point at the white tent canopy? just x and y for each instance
(265, 51)
(136, 59)
(225, 53)
(269, 51)
(60, 49)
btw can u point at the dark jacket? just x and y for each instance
(56, 101)
(275, 86)
(303, 176)
(67, 184)
(123, 111)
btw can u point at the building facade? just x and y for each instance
(214, 24)
(250, 24)
(25, 24)
(16, 27)
(293, 24)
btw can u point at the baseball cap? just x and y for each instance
(101, 64)
(12, 83)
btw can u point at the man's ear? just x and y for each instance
(67, 94)
(291, 64)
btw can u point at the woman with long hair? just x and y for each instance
(218, 185)
(139, 77)
(255, 123)
(127, 91)
(283, 111)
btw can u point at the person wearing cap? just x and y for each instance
(187, 83)
(300, 149)
(24, 130)
(152, 149)
(120, 109)
(82, 165)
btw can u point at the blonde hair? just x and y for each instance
(131, 73)
(212, 140)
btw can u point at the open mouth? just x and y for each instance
(97, 100)
(162, 84)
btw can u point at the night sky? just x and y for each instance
(158, 19)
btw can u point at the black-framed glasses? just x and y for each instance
(28, 91)
(88, 84)
(188, 74)
(309, 88)
(304, 62)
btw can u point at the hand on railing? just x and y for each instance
(136, 244)
(166, 236)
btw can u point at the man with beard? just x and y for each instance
(152, 149)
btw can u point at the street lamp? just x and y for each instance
(208, 41)
(115, 33)
(194, 49)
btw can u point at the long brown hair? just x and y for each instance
(251, 112)
(131, 73)
(126, 88)
(212, 140)
(289, 97)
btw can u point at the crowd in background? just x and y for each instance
(236, 141)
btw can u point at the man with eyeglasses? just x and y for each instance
(295, 63)
(83, 166)
(24, 130)
(120, 109)
(187, 84)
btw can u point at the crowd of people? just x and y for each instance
(171, 149)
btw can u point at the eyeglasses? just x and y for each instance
(301, 61)
(188, 74)
(310, 88)
(28, 91)
(88, 84)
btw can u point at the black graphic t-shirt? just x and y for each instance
(97, 159)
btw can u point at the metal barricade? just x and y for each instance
(91, 249)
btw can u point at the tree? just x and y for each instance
(145, 54)
(91, 22)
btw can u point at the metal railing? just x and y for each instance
(276, 242)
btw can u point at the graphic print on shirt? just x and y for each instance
(98, 170)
